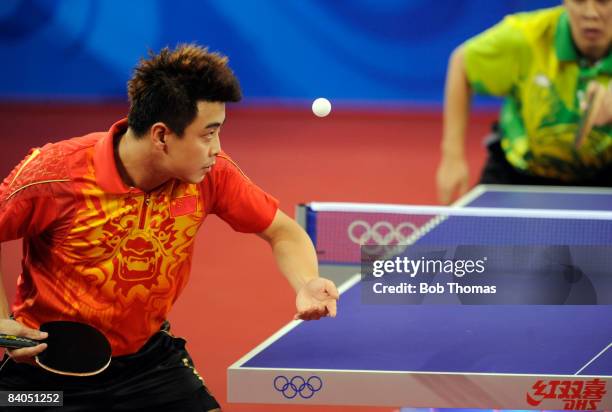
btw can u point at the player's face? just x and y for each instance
(192, 155)
(591, 23)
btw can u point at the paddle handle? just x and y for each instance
(16, 342)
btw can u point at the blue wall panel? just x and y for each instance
(355, 50)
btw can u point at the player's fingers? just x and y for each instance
(588, 94)
(331, 289)
(442, 195)
(331, 308)
(26, 355)
(444, 183)
(440, 187)
(33, 333)
(312, 316)
(318, 314)
(322, 311)
(464, 186)
(445, 190)
(304, 316)
(602, 106)
(592, 88)
(313, 313)
(12, 327)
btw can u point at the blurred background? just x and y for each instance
(382, 64)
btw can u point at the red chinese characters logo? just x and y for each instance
(576, 394)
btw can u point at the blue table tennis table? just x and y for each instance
(444, 356)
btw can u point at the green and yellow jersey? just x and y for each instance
(531, 60)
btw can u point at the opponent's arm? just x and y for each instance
(297, 260)
(453, 175)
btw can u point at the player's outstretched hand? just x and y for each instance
(452, 177)
(316, 299)
(603, 111)
(25, 355)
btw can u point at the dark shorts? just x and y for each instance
(160, 376)
(498, 170)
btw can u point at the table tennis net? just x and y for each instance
(339, 230)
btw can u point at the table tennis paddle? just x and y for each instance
(585, 124)
(73, 348)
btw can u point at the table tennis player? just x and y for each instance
(546, 64)
(109, 221)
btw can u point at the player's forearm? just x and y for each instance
(296, 259)
(4, 309)
(457, 101)
(294, 254)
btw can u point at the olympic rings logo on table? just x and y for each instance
(297, 385)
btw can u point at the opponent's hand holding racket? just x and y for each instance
(597, 110)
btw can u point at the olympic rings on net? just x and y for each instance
(381, 233)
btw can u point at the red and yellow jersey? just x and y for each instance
(114, 257)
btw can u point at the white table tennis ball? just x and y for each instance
(321, 107)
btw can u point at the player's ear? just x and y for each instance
(159, 134)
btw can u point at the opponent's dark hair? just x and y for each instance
(167, 86)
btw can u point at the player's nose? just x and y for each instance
(589, 10)
(215, 148)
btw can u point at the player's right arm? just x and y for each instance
(452, 175)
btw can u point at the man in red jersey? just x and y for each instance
(109, 221)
